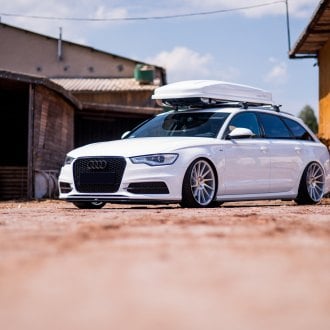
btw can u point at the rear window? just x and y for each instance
(297, 130)
(274, 127)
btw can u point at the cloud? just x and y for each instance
(297, 8)
(72, 30)
(182, 63)
(128, 8)
(278, 74)
(80, 32)
(104, 12)
(303, 8)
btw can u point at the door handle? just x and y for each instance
(263, 149)
(297, 150)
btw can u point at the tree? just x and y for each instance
(308, 116)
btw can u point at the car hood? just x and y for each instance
(140, 146)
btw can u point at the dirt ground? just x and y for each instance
(244, 266)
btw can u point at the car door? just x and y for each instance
(285, 153)
(247, 160)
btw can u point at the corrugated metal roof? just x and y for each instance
(316, 34)
(28, 78)
(102, 84)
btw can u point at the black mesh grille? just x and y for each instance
(148, 188)
(98, 174)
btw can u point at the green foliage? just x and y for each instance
(308, 116)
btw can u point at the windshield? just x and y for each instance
(202, 124)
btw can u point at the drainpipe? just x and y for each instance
(59, 47)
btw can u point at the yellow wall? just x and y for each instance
(324, 83)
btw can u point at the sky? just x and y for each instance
(208, 39)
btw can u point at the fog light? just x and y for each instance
(65, 187)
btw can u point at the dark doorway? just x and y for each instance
(14, 112)
(90, 130)
(14, 109)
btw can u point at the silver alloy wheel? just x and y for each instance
(97, 203)
(203, 182)
(315, 182)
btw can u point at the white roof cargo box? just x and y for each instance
(213, 89)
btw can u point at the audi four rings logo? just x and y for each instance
(97, 164)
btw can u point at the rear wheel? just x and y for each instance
(311, 185)
(89, 205)
(199, 185)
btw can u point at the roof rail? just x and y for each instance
(203, 102)
(272, 107)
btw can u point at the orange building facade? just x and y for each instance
(314, 42)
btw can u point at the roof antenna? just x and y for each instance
(59, 47)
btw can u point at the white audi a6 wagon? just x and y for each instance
(218, 142)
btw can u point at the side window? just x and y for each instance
(245, 120)
(297, 130)
(274, 127)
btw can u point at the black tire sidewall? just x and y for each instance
(89, 205)
(188, 199)
(303, 197)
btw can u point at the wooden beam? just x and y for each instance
(30, 160)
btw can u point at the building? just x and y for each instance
(33, 53)
(57, 95)
(109, 107)
(315, 42)
(36, 131)
(115, 91)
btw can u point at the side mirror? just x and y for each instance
(240, 133)
(125, 134)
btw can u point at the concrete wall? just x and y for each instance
(32, 53)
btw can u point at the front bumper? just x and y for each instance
(139, 183)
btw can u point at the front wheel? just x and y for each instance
(311, 185)
(199, 185)
(89, 205)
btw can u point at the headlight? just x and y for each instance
(155, 160)
(68, 160)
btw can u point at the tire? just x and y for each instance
(89, 205)
(199, 185)
(216, 204)
(311, 185)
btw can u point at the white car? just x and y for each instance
(219, 142)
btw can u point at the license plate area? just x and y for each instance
(98, 178)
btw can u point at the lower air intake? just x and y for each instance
(148, 188)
